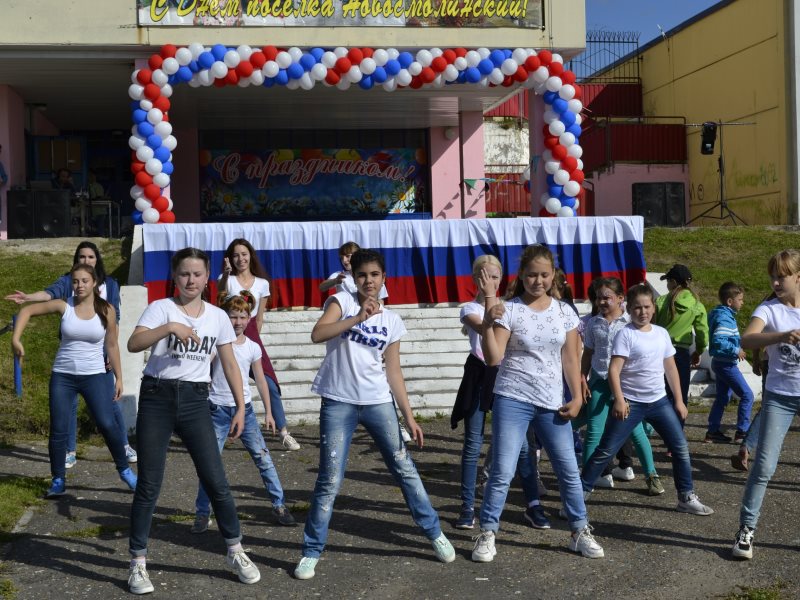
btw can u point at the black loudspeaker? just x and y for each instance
(708, 136)
(38, 214)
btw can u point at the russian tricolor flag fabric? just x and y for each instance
(426, 261)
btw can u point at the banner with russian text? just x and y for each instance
(426, 261)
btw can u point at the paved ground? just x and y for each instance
(76, 547)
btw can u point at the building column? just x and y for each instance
(12, 138)
(445, 165)
(473, 204)
(536, 144)
(185, 186)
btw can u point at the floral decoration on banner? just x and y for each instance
(152, 141)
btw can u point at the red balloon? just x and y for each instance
(168, 50)
(152, 91)
(355, 55)
(449, 55)
(550, 142)
(155, 62)
(270, 52)
(416, 83)
(545, 56)
(546, 131)
(568, 77)
(343, 64)
(427, 75)
(508, 81)
(439, 64)
(543, 212)
(144, 76)
(577, 175)
(532, 63)
(232, 78)
(166, 217)
(559, 152)
(521, 75)
(143, 178)
(460, 52)
(244, 69)
(555, 69)
(160, 204)
(152, 191)
(257, 59)
(220, 83)
(332, 77)
(578, 92)
(367, 52)
(162, 103)
(569, 164)
(137, 166)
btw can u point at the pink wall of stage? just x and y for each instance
(613, 188)
(445, 164)
(12, 138)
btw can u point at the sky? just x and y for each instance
(641, 15)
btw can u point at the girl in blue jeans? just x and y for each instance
(534, 339)
(355, 389)
(88, 329)
(775, 324)
(641, 355)
(223, 408)
(182, 333)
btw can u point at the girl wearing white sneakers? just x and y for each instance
(182, 334)
(359, 332)
(534, 339)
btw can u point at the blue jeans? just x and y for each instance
(72, 439)
(527, 467)
(167, 406)
(253, 440)
(510, 420)
(337, 422)
(474, 422)
(662, 416)
(683, 362)
(730, 380)
(99, 397)
(275, 404)
(777, 412)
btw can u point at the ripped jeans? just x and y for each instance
(337, 423)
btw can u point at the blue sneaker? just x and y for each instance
(535, 517)
(129, 477)
(70, 460)
(465, 520)
(57, 488)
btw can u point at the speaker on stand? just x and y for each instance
(38, 214)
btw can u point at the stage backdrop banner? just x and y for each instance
(311, 183)
(426, 261)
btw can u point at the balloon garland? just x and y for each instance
(152, 142)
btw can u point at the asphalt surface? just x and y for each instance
(76, 546)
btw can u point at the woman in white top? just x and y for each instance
(775, 325)
(88, 328)
(182, 334)
(355, 389)
(241, 270)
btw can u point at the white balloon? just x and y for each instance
(196, 49)
(295, 53)
(436, 52)
(144, 153)
(243, 82)
(137, 192)
(552, 205)
(367, 66)
(231, 58)
(460, 63)
(575, 106)
(145, 104)
(328, 59)
(566, 91)
(340, 52)
(526, 174)
(541, 75)
(561, 177)
(557, 58)
(270, 68)
(293, 84)
(183, 56)
(414, 68)
(496, 76)
(245, 52)
(393, 53)
(319, 71)
(578, 119)
(473, 58)
(424, 57)
(575, 151)
(551, 166)
(543, 199)
(554, 84)
(257, 77)
(343, 84)
(135, 76)
(142, 204)
(566, 139)
(484, 82)
(438, 81)
(509, 66)
(166, 90)
(565, 211)
(577, 204)
(153, 166)
(135, 142)
(390, 85)
(354, 74)
(170, 143)
(219, 70)
(306, 82)
(161, 180)
(136, 91)
(484, 53)
(572, 188)
(403, 77)
(159, 78)
(520, 55)
(151, 215)
(580, 164)
(154, 116)
(205, 77)
(163, 129)
(170, 66)
(450, 73)
(539, 88)
(547, 156)
(284, 59)
(380, 56)
(556, 128)
(169, 204)
(549, 116)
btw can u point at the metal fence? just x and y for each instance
(609, 56)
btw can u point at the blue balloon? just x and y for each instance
(139, 115)
(154, 141)
(317, 53)
(568, 119)
(295, 71)
(366, 82)
(134, 104)
(551, 180)
(218, 51)
(269, 82)
(307, 61)
(555, 190)
(282, 78)
(172, 79)
(405, 59)
(462, 77)
(162, 154)
(472, 75)
(184, 74)
(560, 105)
(167, 168)
(379, 76)
(575, 130)
(486, 66)
(136, 216)
(567, 200)
(497, 57)
(205, 60)
(393, 67)
(194, 66)
(507, 53)
(145, 129)
(549, 97)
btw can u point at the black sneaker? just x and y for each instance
(466, 520)
(535, 517)
(738, 438)
(283, 515)
(717, 437)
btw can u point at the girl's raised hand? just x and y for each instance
(791, 337)
(371, 307)
(184, 333)
(487, 285)
(226, 265)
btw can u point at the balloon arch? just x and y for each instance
(152, 141)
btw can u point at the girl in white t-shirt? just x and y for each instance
(360, 334)
(641, 355)
(241, 270)
(535, 338)
(775, 325)
(182, 334)
(88, 329)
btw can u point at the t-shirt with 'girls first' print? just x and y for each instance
(531, 370)
(352, 370)
(169, 357)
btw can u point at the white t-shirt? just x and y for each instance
(352, 370)
(531, 370)
(246, 354)
(259, 289)
(642, 375)
(598, 336)
(783, 376)
(82, 344)
(169, 358)
(348, 284)
(473, 308)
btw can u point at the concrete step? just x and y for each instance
(443, 359)
(419, 334)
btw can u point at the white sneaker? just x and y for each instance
(625, 474)
(484, 550)
(583, 541)
(693, 506)
(243, 567)
(139, 581)
(605, 481)
(289, 442)
(131, 455)
(743, 546)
